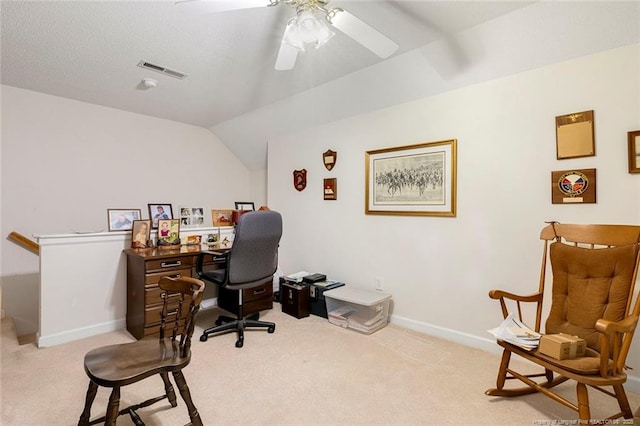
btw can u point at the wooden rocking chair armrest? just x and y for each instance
(501, 294)
(610, 330)
(609, 327)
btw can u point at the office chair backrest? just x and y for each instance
(254, 253)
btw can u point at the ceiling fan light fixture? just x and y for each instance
(305, 28)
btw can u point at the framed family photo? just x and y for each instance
(413, 180)
(221, 217)
(159, 211)
(191, 217)
(168, 231)
(122, 219)
(140, 233)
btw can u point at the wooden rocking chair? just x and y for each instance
(594, 273)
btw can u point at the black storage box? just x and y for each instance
(316, 296)
(294, 299)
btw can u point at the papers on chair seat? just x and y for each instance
(514, 331)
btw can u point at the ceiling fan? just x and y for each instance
(308, 27)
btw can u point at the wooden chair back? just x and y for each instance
(181, 303)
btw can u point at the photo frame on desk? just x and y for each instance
(141, 233)
(168, 231)
(122, 219)
(159, 211)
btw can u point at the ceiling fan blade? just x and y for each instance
(363, 33)
(287, 55)
(212, 6)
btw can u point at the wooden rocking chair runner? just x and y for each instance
(116, 366)
(594, 268)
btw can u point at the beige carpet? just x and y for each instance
(309, 372)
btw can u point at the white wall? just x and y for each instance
(64, 163)
(439, 270)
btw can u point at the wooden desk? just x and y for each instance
(145, 267)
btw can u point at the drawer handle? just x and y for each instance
(170, 264)
(219, 258)
(260, 291)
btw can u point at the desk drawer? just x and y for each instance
(152, 313)
(256, 293)
(151, 279)
(153, 295)
(169, 263)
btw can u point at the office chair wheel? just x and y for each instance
(271, 329)
(204, 337)
(239, 343)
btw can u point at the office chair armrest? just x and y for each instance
(200, 260)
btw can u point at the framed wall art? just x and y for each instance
(575, 135)
(634, 151)
(413, 180)
(573, 186)
(159, 211)
(122, 219)
(221, 217)
(330, 188)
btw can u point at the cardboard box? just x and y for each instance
(562, 346)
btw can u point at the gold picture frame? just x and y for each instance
(221, 217)
(575, 135)
(634, 151)
(413, 180)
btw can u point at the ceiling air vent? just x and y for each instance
(162, 70)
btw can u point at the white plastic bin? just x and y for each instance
(361, 310)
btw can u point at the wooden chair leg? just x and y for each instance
(502, 372)
(623, 402)
(168, 389)
(186, 396)
(583, 402)
(112, 407)
(88, 402)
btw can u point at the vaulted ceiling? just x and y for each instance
(90, 51)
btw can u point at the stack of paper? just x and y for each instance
(297, 277)
(514, 331)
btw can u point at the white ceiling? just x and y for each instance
(89, 51)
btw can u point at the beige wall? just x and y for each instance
(439, 270)
(64, 163)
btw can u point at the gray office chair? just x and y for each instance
(251, 261)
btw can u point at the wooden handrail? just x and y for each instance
(24, 242)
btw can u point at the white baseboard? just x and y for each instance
(485, 344)
(79, 333)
